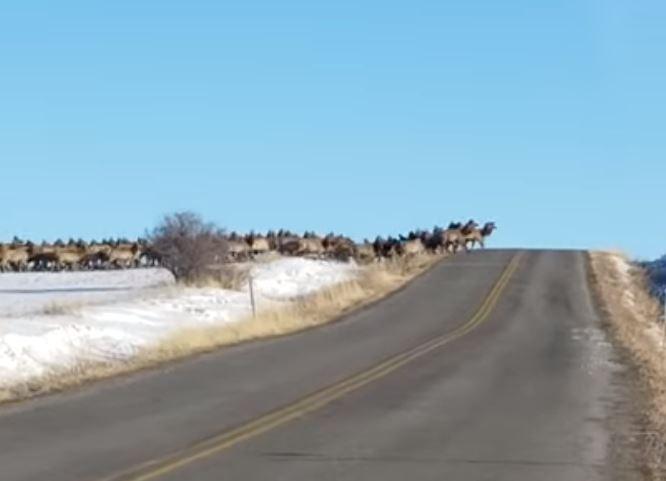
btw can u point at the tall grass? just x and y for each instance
(632, 315)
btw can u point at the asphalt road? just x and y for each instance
(491, 366)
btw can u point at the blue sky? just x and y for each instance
(357, 116)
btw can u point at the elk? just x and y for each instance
(125, 255)
(479, 235)
(69, 258)
(455, 235)
(14, 256)
(237, 249)
(257, 244)
(339, 247)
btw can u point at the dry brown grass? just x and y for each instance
(232, 276)
(633, 317)
(375, 282)
(61, 379)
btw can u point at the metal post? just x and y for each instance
(254, 307)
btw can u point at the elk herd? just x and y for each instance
(75, 255)
(121, 254)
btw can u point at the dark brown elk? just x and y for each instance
(150, 256)
(433, 241)
(97, 256)
(388, 248)
(339, 247)
(42, 257)
(289, 246)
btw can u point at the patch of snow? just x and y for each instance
(116, 324)
(293, 277)
(622, 265)
(599, 349)
(624, 268)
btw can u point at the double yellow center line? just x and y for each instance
(161, 467)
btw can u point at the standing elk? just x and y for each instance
(479, 235)
(339, 247)
(69, 257)
(455, 235)
(257, 244)
(311, 246)
(125, 255)
(14, 257)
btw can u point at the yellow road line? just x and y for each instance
(156, 468)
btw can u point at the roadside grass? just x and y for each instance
(233, 277)
(632, 314)
(373, 282)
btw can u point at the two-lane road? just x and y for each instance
(490, 366)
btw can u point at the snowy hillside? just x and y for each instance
(54, 320)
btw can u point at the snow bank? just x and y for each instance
(293, 277)
(127, 312)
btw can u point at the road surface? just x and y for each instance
(491, 366)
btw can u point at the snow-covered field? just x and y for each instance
(51, 321)
(30, 292)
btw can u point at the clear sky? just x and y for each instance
(357, 116)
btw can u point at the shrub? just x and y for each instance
(187, 245)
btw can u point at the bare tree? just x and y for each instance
(187, 245)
